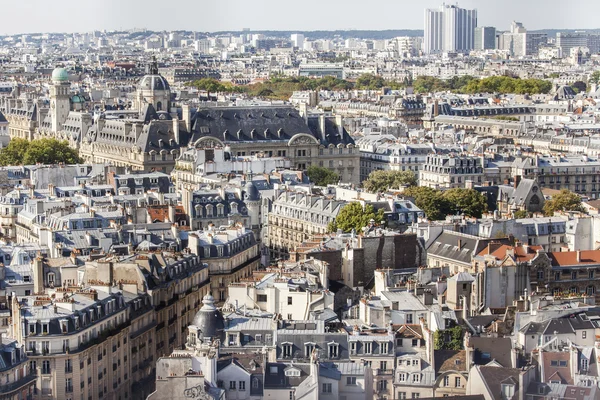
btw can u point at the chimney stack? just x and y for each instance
(578, 256)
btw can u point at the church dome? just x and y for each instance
(208, 319)
(60, 75)
(154, 82)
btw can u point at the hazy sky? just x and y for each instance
(215, 15)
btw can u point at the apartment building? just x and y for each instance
(231, 253)
(451, 171)
(297, 217)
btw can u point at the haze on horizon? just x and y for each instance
(33, 16)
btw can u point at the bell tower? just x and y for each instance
(60, 99)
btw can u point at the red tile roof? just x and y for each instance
(522, 253)
(568, 258)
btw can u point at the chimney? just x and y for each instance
(38, 275)
(459, 244)
(176, 134)
(186, 114)
(578, 256)
(172, 213)
(517, 180)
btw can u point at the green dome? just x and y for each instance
(60, 75)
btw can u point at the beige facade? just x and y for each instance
(297, 217)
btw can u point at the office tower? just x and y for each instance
(297, 40)
(432, 43)
(450, 28)
(567, 41)
(485, 38)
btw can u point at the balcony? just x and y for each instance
(384, 372)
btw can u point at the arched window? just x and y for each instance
(159, 106)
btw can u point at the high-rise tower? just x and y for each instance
(450, 28)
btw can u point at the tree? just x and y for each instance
(520, 214)
(353, 216)
(466, 201)
(448, 339)
(565, 200)
(579, 87)
(14, 152)
(321, 176)
(380, 181)
(431, 201)
(595, 77)
(50, 151)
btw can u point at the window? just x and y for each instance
(383, 348)
(415, 342)
(416, 378)
(457, 382)
(402, 395)
(583, 334)
(367, 348)
(232, 385)
(45, 367)
(308, 349)
(333, 350)
(326, 388)
(416, 395)
(242, 385)
(254, 383)
(446, 381)
(287, 350)
(351, 380)
(289, 301)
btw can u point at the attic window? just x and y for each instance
(292, 372)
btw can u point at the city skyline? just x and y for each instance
(234, 15)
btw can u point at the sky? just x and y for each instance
(27, 16)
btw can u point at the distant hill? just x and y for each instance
(359, 34)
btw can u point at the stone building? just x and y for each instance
(231, 253)
(449, 172)
(297, 217)
(276, 131)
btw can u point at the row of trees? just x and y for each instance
(492, 84)
(283, 87)
(43, 151)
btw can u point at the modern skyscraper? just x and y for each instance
(450, 28)
(297, 40)
(434, 22)
(485, 38)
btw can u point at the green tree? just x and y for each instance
(520, 214)
(210, 85)
(579, 87)
(565, 200)
(370, 82)
(448, 339)
(321, 176)
(595, 77)
(466, 201)
(14, 152)
(50, 151)
(354, 216)
(380, 181)
(431, 201)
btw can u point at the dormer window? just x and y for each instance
(64, 326)
(333, 349)
(32, 329)
(308, 349)
(287, 350)
(368, 347)
(383, 348)
(292, 372)
(44, 328)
